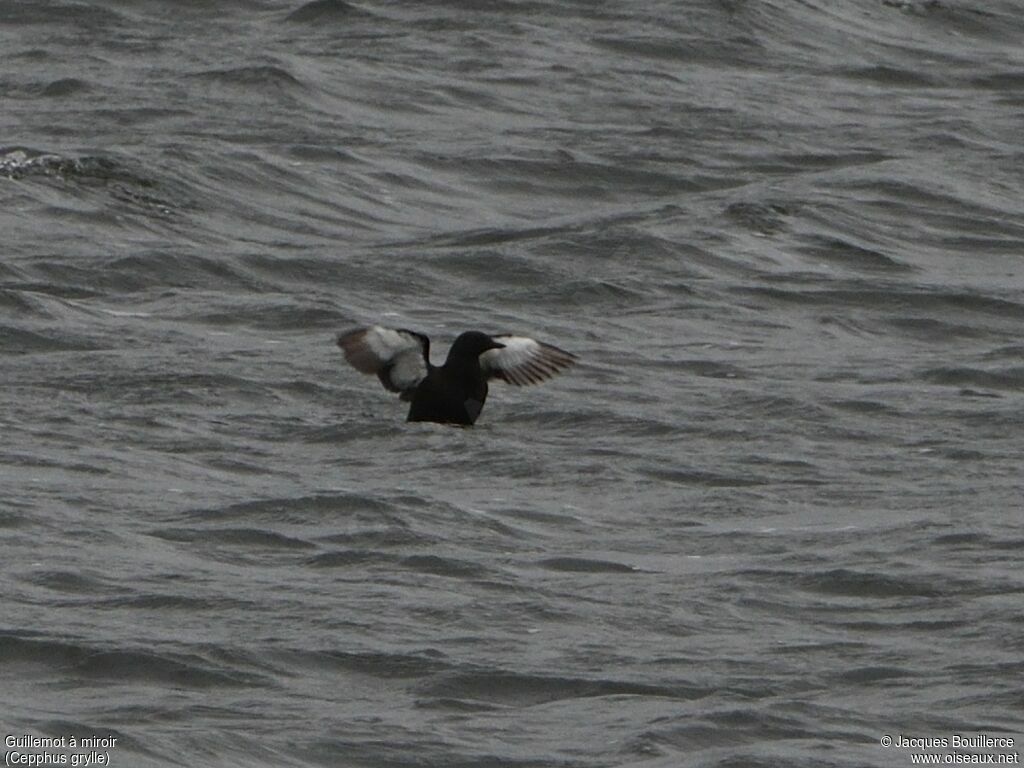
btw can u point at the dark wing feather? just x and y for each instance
(399, 357)
(524, 361)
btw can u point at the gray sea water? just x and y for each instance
(774, 514)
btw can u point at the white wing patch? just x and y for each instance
(397, 357)
(525, 361)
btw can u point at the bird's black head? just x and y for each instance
(470, 345)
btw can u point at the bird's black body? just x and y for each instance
(453, 393)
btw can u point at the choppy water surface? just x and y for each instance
(772, 516)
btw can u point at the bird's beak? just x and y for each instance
(496, 345)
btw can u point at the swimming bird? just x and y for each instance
(453, 393)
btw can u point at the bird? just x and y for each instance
(453, 393)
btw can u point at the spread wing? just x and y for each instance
(399, 357)
(524, 361)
